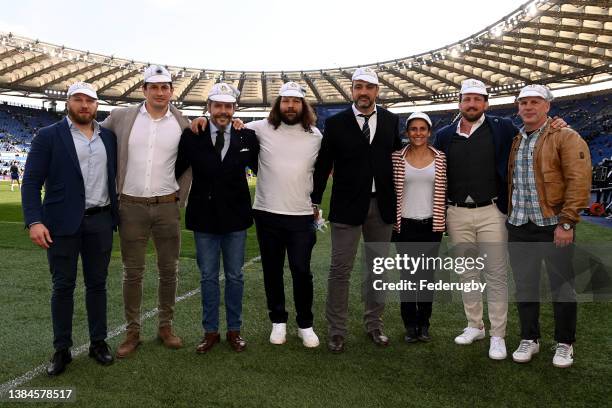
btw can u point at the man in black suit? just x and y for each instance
(76, 159)
(357, 144)
(219, 210)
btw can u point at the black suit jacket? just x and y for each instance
(219, 201)
(356, 163)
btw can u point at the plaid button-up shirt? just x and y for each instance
(525, 200)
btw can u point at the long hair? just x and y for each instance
(309, 118)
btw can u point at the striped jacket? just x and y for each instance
(439, 199)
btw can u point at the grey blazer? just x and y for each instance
(121, 121)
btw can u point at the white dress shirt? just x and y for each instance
(152, 151)
(371, 124)
(475, 126)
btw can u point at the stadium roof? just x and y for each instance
(562, 44)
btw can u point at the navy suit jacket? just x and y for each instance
(53, 161)
(503, 131)
(219, 201)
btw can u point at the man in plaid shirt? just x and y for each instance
(549, 181)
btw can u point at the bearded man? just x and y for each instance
(76, 160)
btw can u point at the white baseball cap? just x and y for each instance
(157, 73)
(222, 92)
(292, 89)
(419, 115)
(540, 91)
(365, 74)
(473, 86)
(82, 88)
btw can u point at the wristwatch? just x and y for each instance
(566, 226)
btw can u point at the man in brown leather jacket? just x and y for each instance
(549, 182)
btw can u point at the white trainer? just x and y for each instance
(469, 335)
(564, 355)
(497, 349)
(525, 350)
(309, 337)
(279, 333)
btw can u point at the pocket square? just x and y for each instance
(245, 150)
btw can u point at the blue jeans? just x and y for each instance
(209, 248)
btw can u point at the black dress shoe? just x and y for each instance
(61, 358)
(424, 334)
(378, 338)
(336, 344)
(100, 352)
(412, 336)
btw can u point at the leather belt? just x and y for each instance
(170, 198)
(472, 205)
(96, 210)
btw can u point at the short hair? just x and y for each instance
(486, 97)
(144, 86)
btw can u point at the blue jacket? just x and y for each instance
(53, 161)
(503, 131)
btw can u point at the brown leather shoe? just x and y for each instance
(209, 340)
(378, 338)
(169, 339)
(336, 344)
(129, 345)
(235, 341)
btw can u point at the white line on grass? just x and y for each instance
(29, 376)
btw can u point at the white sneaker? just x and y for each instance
(525, 350)
(279, 333)
(469, 335)
(564, 355)
(497, 349)
(309, 337)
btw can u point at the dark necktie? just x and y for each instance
(366, 127)
(219, 142)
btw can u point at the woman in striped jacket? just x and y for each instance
(419, 173)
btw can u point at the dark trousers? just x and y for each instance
(93, 241)
(294, 235)
(526, 261)
(417, 239)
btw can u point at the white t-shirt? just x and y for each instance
(152, 151)
(286, 164)
(417, 200)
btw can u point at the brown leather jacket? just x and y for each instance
(562, 170)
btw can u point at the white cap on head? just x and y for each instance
(540, 91)
(222, 92)
(157, 73)
(365, 74)
(419, 115)
(82, 88)
(292, 89)
(473, 86)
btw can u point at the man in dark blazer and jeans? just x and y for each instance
(76, 160)
(357, 144)
(219, 210)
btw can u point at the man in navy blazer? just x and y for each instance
(357, 144)
(75, 159)
(477, 151)
(219, 210)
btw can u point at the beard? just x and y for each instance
(291, 121)
(219, 119)
(471, 115)
(82, 118)
(364, 103)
